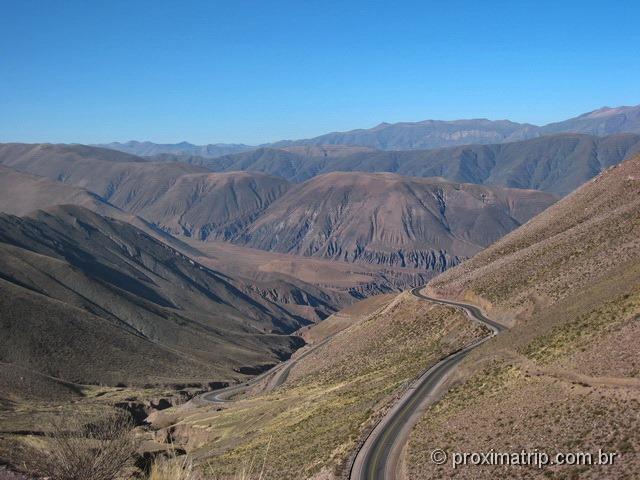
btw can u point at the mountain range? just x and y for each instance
(380, 219)
(421, 135)
(556, 163)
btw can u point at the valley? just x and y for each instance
(319, 240)
(328, 310)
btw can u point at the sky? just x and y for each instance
(259, 71)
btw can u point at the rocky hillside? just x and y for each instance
(109, 280)
(569, 284)
(557, 164)
(215, 205)
(387, 219)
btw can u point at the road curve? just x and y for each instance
(278, 375)
(378, 457)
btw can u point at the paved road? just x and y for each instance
(378, 457)
(278, 375)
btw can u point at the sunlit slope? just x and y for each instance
(566, 377)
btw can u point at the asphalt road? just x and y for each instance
(277, 376)
(378, 457)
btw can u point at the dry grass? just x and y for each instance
(315, 420)
(565, 378)
(173, 467)
(102, 450)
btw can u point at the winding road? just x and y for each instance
(278, 375)
(378, 457)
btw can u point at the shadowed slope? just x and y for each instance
(113, 271)
(557, 163)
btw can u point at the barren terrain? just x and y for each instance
(566, 377)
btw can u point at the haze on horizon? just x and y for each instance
(257, 72)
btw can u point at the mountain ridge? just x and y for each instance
(107, 272)
(419, 135)
(556, 163)
(388, 219)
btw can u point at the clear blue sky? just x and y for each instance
(257, 71)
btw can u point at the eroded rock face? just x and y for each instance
(386, 219)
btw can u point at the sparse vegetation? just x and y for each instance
(101, 450)
(173, 467)
(578, 333)
(571, 281)
(314, 422)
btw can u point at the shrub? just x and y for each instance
(101, 450)
(173, 468)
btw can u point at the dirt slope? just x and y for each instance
(566, 377)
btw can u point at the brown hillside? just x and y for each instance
(120, 276)
(566, 377)
(386, 219)
(213, 205)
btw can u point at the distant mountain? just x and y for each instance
(555, 163)
(423, 135)
(183, 148)
(386, 219)
(604, 121)
(78, 286)
(430, 134)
